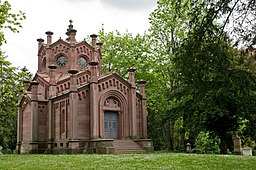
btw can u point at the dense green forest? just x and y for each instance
(201, 85)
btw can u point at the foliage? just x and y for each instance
(123, 51)
(10, 77)
(212, 84)
(10, 87)
(127, 161)
(194, 71)
(8, 20)
(205, 143)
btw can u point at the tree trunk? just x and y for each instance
(170, 142)
(182, 142)
(223, 144)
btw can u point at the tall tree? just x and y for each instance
(123, 51)
(205, 79)
(170, 23)
(219, 89)
(10, 79)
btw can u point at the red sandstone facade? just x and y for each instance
(71, 107)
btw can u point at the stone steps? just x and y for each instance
(127, 146)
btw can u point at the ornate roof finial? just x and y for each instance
(70, 27)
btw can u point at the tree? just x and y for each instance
(10, 87)
(217, 82)
(123, 51)
(10, 79)
(170, 23)
(205, 74)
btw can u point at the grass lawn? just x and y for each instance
(128, 161)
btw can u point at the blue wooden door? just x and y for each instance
(110, 125)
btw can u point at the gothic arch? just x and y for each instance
(122, 110)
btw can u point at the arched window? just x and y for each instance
(62, 122)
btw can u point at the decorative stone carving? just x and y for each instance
(112, 104)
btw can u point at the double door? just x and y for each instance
(111, 125)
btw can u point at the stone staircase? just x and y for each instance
(127, 146)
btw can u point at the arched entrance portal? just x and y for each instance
(114, 120)
(111, 124)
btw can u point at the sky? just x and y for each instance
(87, 15)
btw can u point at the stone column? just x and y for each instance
(52, 81)
(99, 44)
(94, 36)
(132, 100)
(40, 44)
(73, 104)
(19, 125)
(143, 109)
(49, 37)
(26, 84)
(52, 93)
(94, 115)
(34, 117)
(73, 142)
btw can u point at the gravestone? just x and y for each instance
(188, 148)
(237, 144)
(247, 151)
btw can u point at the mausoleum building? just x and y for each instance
(72, 107)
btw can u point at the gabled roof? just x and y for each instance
(60, 41)
(84, 43)
(43, 77)
(114, 75)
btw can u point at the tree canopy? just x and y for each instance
(10, 79)
(199, 79)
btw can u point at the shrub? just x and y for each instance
(206, 143)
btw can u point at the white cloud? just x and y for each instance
(88, 16)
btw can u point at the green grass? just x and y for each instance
(127, 161)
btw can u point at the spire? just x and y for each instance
(71, 32)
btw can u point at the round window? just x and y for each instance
(61, 61)
(81, 62)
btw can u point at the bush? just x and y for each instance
(206, 143)
(253, 152)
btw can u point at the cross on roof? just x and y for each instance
(70, 21)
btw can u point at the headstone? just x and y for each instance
(188, 148)
(247, 151)
(237, 144)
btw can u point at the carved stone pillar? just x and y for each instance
(99, 44)
(73, 105)
(143, 109)
(132, 100)
(94, 114)
(34, 113)
(19, 125)
(40, 44)
(94, 36)
(52, 93)
(34, 118)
